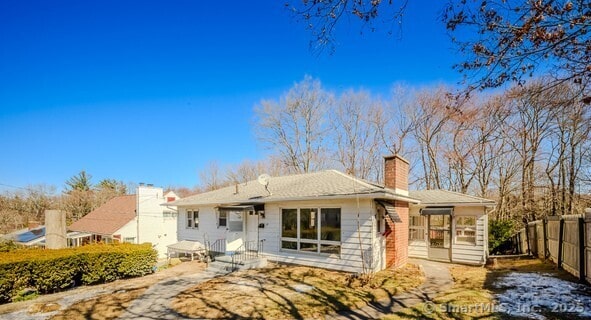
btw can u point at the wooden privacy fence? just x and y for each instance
(564, 240)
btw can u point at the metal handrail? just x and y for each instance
(216, 249)
(248, 250)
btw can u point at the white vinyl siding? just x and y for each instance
(350, 256)
(461, 251)
(270, 234)
(208, 230)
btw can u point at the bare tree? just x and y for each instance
(26, 204)
(211, 177)
(431, 114)
(323, 17)
(355, 133)
(511, 40)
(295, 127)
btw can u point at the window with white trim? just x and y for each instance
(466, 230)
(416, 228)
(311, 230)
(222, 218)
(192, 219)
(129, 240)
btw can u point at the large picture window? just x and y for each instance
(315, 230)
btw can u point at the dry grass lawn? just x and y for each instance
(281, 291)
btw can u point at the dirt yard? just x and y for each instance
(281, 291)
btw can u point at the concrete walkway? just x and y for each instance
(155, 302)
(437, 280)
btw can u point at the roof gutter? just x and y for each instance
(373, 195)
(458, 204)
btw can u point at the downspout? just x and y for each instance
(374, 209)
(137, 214)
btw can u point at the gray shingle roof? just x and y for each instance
(443, 197)
(322, 184)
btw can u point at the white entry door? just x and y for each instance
(235, 235)
(252, 227)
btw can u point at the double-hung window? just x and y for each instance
(416, 228)
(466, 230)
(192, 219)
(222, 218)
(311, 230)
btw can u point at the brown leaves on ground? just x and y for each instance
(290, 292)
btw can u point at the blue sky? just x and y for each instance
(145, 91)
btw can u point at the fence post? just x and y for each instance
(582, 249)
(527, 238)
(560, 240)
(545, 235)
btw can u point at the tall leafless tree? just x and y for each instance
(295, 126)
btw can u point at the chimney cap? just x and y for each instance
(395, 156)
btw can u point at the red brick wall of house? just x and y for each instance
(397, 239)
(396, 177)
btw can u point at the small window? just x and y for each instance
(235, 221)
(129, 239)
(193, 219)
(169, 214)
(223, 218)
(466, 230)
(170, 199)
(380, 220)
(416, 228)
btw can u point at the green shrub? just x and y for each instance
(53, 270)
(499, 233)
(6, 246)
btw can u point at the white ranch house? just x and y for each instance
(325, 219)
(332, 220)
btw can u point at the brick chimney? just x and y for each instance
(396, 173)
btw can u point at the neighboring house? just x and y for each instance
(34, 236)
(449, 226)
(138, 218)
(325, 219)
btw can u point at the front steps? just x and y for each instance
(223, 264)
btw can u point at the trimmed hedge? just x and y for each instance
(49, 271)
